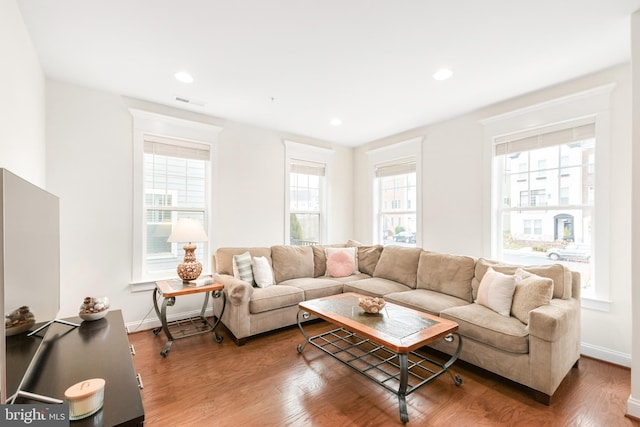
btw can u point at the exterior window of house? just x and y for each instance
(397, 182)
(305, 202)
(307, 184)
(175, 186)
(173, 160)
(573, 138)
(560, 210)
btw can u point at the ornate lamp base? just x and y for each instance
(190, 269)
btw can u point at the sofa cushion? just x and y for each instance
(368, 257)
(486, 326)
(399, 264)
(315, 287)
(445, 273)
(320, 258)
(374, 286)
(223, 261)
(274, 297)
(560, 275)
(291, 262)
(429, 301)
(496, 291)
(242, 268)
(262, 272)
(341, 262)
(531, 292)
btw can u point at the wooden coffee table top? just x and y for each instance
(398, 328)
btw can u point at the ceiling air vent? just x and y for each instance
(190, 101)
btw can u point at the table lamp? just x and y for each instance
(188, 230)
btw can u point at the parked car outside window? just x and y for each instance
(572, 251)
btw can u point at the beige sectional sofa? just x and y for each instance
(536, 345)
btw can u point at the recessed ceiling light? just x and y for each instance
(183, 77)
(443, 74)
(335, 122)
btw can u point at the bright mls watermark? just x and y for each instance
(35, 415)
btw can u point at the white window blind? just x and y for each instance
(395, 168)
(158, 145)
(307, 168)
(545, 137)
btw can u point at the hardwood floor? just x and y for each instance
(267, 383)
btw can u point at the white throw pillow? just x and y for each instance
(262, 273)
(496, 291)
(242, 268)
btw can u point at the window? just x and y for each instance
(397, 182)
(395, 193)
(573, 140)
(307, 189)
(173, 163)
(545, 217)
(175, 186)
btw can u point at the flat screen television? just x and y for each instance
(29, 270)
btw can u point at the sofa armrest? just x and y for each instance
(554, 320)
(238, 292)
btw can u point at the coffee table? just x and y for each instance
(382, 346)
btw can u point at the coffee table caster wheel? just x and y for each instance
(457, 379)
(156, 331)
(219, 338)
(300, 348)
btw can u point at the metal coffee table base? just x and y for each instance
(400, 373)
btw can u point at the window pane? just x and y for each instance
(304, 206)
(397, 220)
(547, 216)
(170, 183)
(304, 229)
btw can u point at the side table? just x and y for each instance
(192, 326)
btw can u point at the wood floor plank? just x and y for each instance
(267, 383)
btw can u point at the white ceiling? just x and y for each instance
(293, 65)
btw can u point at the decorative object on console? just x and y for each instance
(85, 398)
(188, 230)
(19, 321)
(371, 305)
(94, 308)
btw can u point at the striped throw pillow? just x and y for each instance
(242, 267)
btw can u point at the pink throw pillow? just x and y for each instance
(340, 264)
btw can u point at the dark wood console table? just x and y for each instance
(97, 349)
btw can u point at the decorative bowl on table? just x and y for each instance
(18, 321)
(94, 308)
(371, 305)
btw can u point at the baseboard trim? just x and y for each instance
(605, 354)
(633, 408)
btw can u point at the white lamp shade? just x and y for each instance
(187, 230)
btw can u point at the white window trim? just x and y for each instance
(312, 153)
(595, 104)
(145, 122)
(405, 150)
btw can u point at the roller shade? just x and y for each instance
(391, 169)
(548, 138)
(308, 168)
(162, 146)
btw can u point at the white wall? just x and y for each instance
(455, 197)
(89, 137)
(22, 103)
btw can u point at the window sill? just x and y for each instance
(593, 303)
(142, 286)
